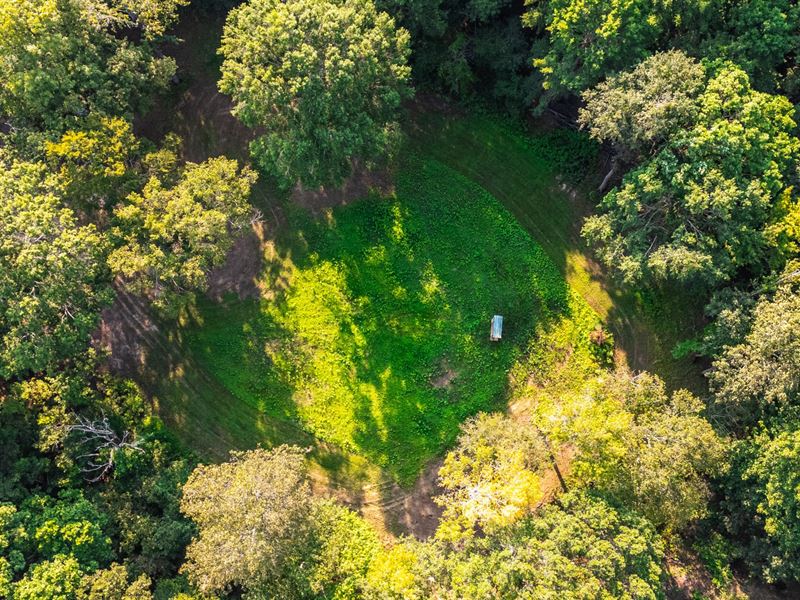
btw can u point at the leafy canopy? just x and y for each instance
(492, 478)
(53, 278)
(760, 375)
(179, 226)
(762, 503)
(650, 450)
(700, 210)
(321, 80)
(60, 61)
(638, 111)
(588, 39)
(580, 548)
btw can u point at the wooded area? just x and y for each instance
(253, 257)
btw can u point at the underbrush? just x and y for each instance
(375, 336)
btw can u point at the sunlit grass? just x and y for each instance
(375, 334)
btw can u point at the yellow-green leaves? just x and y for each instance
(169, 236)
(53, 278)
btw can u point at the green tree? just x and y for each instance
(638, 111)
(179, 227)
(579, 548)
(651, 450)
(758, 35)
(761, 374)
(493, 476)
(60, 61)
(761, 502)
(56, 579)
(322, 81)
(588, 39)
(340, 554)
(702, 208)
(153, 17)
(53, 280)
(69, 526)
(114, 583)
(94, 164)
(251, 514)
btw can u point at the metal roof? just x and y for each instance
(497, 327)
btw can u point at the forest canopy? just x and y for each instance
(249, 254)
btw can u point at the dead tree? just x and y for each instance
(102, 444)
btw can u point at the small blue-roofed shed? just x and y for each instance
(496, 332)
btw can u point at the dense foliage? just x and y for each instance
(321, 80)
(700, 208)
(61, 62)
(370, 336)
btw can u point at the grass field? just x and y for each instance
(374, 332)
(397, 355)
(541, 178)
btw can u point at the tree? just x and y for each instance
(588, 39)
(114, 583)
(251, 513)
(492, 478)
(650, 450)
(172, 233)
(340, 554)
(69, 526)
(580, 548)
(762, 504)
(56, 579)
(758, 35)
(94, 163)
(53, 280)
(639, 110)
(701, 209)
(153, 17)
(323, 81)
(761, 374)
(60, 62)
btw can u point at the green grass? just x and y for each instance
(368, 309)
(544, 179)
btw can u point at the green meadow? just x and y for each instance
(373, 329)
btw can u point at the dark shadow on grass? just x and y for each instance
(383, 291)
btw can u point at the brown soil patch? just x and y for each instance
(357, 186)
(445, 379)
(239, 274)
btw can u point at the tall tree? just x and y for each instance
(580, 548)
(651, 450)
(700, 210)
(588, 39)
(322, 81)
(61, 61)
(638, 111)
(53, 278)
(492, 477)
(251, 513)
(762, 505)
(760, 376)
(180, 226)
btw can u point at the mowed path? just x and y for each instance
(498, 157)
(204, 414)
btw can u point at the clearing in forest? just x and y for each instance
(372, 331)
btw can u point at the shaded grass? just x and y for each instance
(525, 172)
(368, 307)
